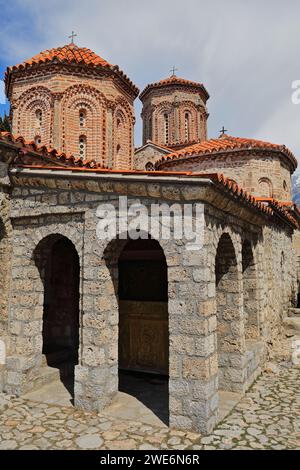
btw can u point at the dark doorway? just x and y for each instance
(59, 267)
(143, 324)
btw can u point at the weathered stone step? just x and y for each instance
(46, 375)
(294, 312)
(292, 323)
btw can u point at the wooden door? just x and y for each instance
(143, 336)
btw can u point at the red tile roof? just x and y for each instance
(174, 81)
(287, 209)
(225, 143)
(51, 159)
(46, 154)
(70, 54)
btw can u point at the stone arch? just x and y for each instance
(250, 294)
(138, 271)
(27, 294)
(265, 187)
(230, 328)
(64, 231)
(25, 122)
(76, 98)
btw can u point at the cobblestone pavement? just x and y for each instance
(268, 417)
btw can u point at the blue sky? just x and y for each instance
(246, 53)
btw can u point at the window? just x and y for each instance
(149, 166)
(166, 128)
(37, 140)
(82, 146)
(265, 188)
(187, 127)
(39, 117)
(285, 185)
(82, 118)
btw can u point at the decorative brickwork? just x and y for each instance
(75, 109)
(174, 112)
(261, 168)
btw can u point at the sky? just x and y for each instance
(247, 54)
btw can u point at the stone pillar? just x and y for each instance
(96, 376)
(193, 384)
(25, 320)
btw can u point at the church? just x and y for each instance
(73, 304)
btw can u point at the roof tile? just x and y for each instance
(71, 54)
(224, 143)
(173, 81)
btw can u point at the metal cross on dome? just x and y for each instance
(73, 35)
(223, 130)
(173, 70)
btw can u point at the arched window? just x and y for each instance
(265, 187)
(166, 128)
(82, 118)
(39, 117)
(149, 166)
(37, 140)
(82, 146)
(187, 127)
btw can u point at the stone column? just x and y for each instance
(193, 383)
(25, 318)
(96, 376)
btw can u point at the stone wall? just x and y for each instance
(41, 208)
(260, 173)
(148, 154)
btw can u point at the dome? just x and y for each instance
(174, 81)
(70, 54)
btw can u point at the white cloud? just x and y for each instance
(282, 125)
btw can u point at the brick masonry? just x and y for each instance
(61, 93)
(177, 103)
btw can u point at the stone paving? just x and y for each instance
(268, 417)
